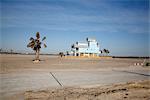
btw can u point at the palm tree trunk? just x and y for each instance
(37, 55)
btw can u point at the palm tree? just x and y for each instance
(61, 54)
(35, 44)
(106, 51)
(101, 51)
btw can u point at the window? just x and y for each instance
(77, 49)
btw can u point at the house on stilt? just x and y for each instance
(90, 48)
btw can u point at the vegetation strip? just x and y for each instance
(56, 79)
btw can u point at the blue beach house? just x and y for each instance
(89, 48)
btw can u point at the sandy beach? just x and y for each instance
(129, 91)
(12, 63)
(75, 50)
(81, 78)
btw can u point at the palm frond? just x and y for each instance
(31, 39)
(43, 38)
(108, 51)
(31, 44)
(35, 44)
(45, 45)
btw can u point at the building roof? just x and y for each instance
(91, 39)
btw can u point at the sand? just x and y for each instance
(14, 63)
(22, 65)
(129, 91)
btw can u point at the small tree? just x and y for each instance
(35, 44)
(106, 51)
(61, 54)
(101, 51)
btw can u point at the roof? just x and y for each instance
(91, 39)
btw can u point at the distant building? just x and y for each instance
(90, 48)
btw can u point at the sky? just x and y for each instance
(121, 26)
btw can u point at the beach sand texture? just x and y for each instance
(81, 78)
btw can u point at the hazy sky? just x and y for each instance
(122, 26)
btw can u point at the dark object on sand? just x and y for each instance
(147, 64)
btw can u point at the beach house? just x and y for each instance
(88, 48)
